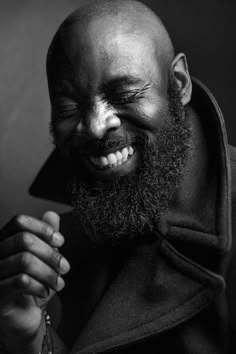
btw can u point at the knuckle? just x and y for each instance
(25, 260)
(23, 281)
(19, 220)
(27, 240)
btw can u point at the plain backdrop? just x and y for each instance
(203, 29)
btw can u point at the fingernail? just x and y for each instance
(60, 283)
(64, 266)
(57, 239)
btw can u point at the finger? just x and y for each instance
(21, 283)
(53, 219)
(27, 263)
(35, 226)
(25, 241)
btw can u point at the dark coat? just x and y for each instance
(173, 292)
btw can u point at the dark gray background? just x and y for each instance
(203, 29)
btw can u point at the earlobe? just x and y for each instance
(179, 69)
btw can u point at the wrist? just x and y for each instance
(25, 343)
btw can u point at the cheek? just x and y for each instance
(153, 113)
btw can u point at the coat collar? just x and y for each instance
(155, 290)
(203, 206)
(178, 272)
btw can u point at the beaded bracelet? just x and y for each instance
(47, 346)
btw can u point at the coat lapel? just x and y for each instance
(156, 289)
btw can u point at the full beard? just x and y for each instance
(128, 207)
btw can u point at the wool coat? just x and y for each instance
(172, 292)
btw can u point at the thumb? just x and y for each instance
(51, 218)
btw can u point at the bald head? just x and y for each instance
(109, 21)
(130, 16)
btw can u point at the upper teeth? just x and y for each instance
(113, 159)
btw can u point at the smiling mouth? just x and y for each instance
(112, 160)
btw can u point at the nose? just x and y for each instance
(98, 121)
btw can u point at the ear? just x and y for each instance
(179, 68)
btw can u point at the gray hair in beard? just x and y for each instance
(131, 206)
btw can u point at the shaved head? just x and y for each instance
(129, 16)
(114, 18)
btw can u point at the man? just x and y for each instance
(146, 161)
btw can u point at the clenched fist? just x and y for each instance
(31, 270)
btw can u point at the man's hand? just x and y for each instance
(30, 274)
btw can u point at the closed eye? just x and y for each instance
(123, 97)
(65, 110)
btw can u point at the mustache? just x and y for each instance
(98, 147)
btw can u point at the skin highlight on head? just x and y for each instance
(109, 22)
(131, 17)
(117, 92)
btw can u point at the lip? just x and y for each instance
(104, 152)
(120, 170)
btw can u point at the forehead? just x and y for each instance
(101, 51)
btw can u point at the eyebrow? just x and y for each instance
(108, 85)
(118, 81)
